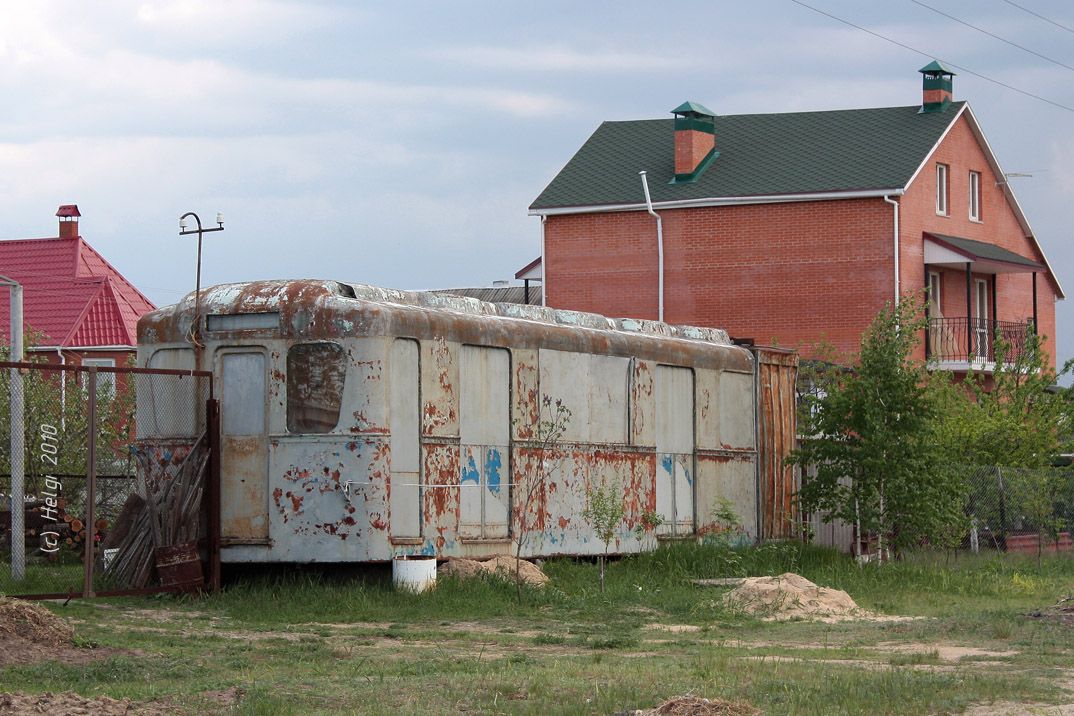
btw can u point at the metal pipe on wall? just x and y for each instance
(659, 244)
(895, 204)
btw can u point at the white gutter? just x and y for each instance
(544, 284)
(896, 205)
(659, 243)
(723, 201)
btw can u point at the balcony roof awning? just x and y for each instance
(953, 252)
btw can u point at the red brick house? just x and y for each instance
(788, 228)
(83, 309)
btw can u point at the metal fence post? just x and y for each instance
(91, 483)
(1002, 507)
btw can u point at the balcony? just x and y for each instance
(959, 344)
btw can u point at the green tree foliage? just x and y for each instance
(604, 513)
(1014, 418)
(874, 445)
(551, 422)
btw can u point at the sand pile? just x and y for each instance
(790, 596)
(501, 566)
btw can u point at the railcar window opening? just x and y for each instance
(316, 373)
(218, 322)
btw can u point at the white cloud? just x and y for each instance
(555, 59)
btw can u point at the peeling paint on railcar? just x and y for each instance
(330, 493)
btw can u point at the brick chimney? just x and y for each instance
(695, 141)
(68, 214)
(935, 87)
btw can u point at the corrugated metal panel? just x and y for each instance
(777, 371)
(497, 294)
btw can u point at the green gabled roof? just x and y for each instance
(760, 155)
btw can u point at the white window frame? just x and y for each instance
(975, 196)
(941, 189)
(935, 284)
(103, 379)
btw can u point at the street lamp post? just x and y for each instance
(195, 325)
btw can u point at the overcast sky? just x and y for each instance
(400, 144)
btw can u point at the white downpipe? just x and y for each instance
(544, 284)
(894, 203)
(659, 242)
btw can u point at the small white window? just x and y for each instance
(975, 196)
(106, 382)
(941, 189)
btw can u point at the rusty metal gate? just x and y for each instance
(86, 509)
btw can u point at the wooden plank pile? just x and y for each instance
(168, 516)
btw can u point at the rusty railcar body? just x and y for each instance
(362, 424)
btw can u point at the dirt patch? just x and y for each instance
(26, 620)
(1063, 612)
(791, 596)
(68, 703)
(943, 652)
(675, 628)
(695, 706)
(1005, 708)
(502, 566)
(30, 633)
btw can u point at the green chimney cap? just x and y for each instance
(693, 107)
(935, 67)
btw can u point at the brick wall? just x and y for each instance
(789, 273)
(778, 273)
(998, 226)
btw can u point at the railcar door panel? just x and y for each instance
(484, 431)
(675, 449)
(243, 447)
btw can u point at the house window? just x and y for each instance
(941, 189)
(975, 196)
(934, 294)
(106, 382)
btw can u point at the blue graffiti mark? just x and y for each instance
(689, 478)
(493, 463)
(666, 463)
(469, 472)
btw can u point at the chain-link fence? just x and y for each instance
(76, 470)
(1019, 509)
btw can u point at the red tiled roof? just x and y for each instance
(71, 295)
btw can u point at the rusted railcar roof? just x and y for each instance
(312, 309)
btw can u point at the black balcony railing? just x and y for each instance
(967, 340)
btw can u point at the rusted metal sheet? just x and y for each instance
(777, 431)
(243, 446)
(437, 442)
(404, 421)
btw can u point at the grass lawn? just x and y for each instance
(312, 641)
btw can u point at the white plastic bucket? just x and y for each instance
(416, 574)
